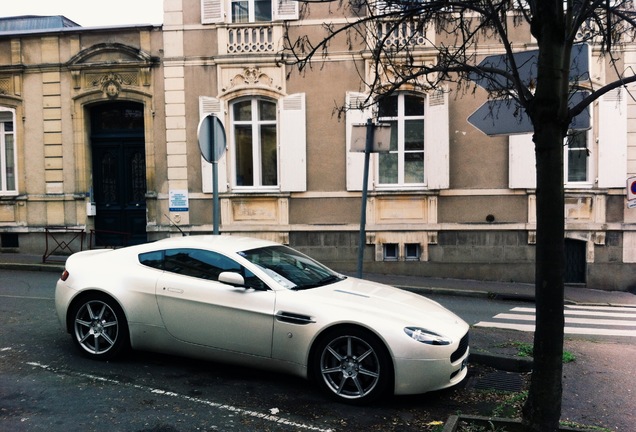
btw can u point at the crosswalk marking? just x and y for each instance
(581, 320)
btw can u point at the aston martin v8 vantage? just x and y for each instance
(258, 303)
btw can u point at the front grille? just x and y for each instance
(461, 349)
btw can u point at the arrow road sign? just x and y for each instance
(526, 62)
(505, 117)
(212, 139)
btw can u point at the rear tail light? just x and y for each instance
(65, 275)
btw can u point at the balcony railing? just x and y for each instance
(402, 34)
(251, 39)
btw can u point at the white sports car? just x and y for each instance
(262, 304)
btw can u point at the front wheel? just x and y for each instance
(353, 365)
(99, 328)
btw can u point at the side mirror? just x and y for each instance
(232, 278)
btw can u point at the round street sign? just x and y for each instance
(211, 138)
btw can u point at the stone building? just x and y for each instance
(104, 126)
(79, 124)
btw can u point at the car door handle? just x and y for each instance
(174, 290)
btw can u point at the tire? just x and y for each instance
(353, 366)
(98, 327)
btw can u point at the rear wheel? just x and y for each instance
(98, 327)
(353, 365)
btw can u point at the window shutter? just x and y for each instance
(284, 10)
(355, 160)
(293, 144)
(210, 105)
(522, 171)
(436, 146)
(212, 11)
(612, 137)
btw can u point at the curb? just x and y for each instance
(33, 267)
(502, 362)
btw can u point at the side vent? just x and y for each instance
(293, 318)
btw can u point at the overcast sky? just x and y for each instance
(90, 13)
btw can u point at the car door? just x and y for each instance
(198, 309)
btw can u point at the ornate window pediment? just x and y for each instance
(113, 62)
(108, 53)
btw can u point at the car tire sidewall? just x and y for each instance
(121, 342)
(384, 385)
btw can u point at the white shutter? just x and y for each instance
(210, 105)
(212, 11)
(293, 144)
(522, 166)
(612, 137)
(284, 10)
(355, 160)
(436, 137)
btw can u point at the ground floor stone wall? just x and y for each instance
(496, 255)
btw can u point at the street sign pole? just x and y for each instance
(365, 184)
(215, 197)
(212, 142)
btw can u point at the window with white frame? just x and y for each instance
(8, 157)
(595, 156)
(266, 144)
(404, 163)
(244, 11)
(419, 148)
(576, 157)
(248, 11)
(255, 142)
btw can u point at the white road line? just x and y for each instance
(568, 320)
(583, 320)
(510, 326)
(612, 308)
(567, 330)
(589, 311)
(219, 406)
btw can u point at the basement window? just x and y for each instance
(412, 252)
(391, 251)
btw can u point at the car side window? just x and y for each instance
(152, 259)
(205, 264)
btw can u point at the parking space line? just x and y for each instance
(224, 407)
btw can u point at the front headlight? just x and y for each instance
(426, 336)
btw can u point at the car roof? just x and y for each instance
(227, 243)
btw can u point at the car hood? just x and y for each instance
(361, 298)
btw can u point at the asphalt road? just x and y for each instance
(45, 385)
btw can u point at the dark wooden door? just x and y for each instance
(575, 261)
(119, 175)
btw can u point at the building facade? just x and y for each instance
(101, 126)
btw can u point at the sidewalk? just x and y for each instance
(426, 285)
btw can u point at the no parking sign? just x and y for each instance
(631, 192)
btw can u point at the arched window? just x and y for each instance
(254, 136)
(8, 156)
(404, 163)
(267, 144)
(419, 149)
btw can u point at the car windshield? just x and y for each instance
(290, 268)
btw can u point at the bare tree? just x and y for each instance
(392, 32)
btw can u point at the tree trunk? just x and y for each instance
(542, 411)
(549, 113)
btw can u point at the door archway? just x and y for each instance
(119, 173)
